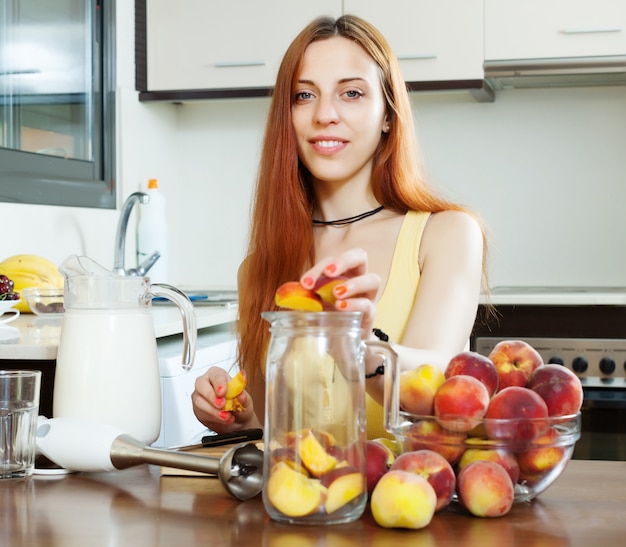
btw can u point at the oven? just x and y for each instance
(583, 330)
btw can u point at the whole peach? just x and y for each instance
(485, 489)
(378, 459)
(460, 403)
(516, 414)
(515, 361)
(471, 363)
(403, 500)
(545, 455)
(559, 387)
(428, 434)
(434, 468)
(418, 387)
(501, 456)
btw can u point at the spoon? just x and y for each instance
(79, 445)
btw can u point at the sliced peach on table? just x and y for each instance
(292, 493)
(314, 456)
(293, 296)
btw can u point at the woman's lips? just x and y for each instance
(328, 146)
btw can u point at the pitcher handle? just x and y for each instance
(391, 387)
(188, 314)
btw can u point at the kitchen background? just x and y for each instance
(544, 167)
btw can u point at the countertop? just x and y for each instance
(137, 507)
(37, 338)
(556, 296)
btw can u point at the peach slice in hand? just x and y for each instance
(234, 388)
(293, 296)
(324, 289)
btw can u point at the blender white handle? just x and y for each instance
(77, 445)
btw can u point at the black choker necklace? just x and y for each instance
(348, 220)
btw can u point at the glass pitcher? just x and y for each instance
(314, 460)
(107, 367)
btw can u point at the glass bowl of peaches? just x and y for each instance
(508, 408)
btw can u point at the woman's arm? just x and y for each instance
(441, 322)
(451, 265)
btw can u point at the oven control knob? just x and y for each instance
(556, 361)
(607, 365)
(579, 364)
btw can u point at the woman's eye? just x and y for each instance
(353, 94)
(303, 95)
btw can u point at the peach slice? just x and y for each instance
(343, 490)
(236, 385)
(314, 456)
(293, 296)
(324, 289)
(292, 493)
(234, 388)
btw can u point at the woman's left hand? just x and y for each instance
(359, 290)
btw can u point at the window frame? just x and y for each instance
(29, 178)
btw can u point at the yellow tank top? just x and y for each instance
(396, 302)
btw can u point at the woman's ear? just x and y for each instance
(386, 125)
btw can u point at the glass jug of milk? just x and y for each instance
(107, 366)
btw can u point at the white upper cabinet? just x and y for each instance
(435, 40)
(223, 44)
(543, 29)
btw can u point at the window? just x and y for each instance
(57, 112)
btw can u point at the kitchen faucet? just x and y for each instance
(120, 239)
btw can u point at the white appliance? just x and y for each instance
(179, 425)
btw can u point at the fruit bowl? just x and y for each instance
(6, 305)
(533, 451)
(45, 302)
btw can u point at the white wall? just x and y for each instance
(545, 168)
(547, 171)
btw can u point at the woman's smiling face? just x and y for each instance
(338, 110)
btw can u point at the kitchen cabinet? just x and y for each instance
(210, 49)
(540, 29)
(434, 40)
(212, 44)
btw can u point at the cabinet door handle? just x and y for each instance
(230, 64)
(417, 57)
(591, 30)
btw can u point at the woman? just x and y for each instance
(340, 192)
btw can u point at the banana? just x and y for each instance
(234, 388)
(27, 270)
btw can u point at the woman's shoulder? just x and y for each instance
(453, 228)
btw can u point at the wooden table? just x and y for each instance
(586, 506)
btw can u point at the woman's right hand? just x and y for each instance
(208, 403)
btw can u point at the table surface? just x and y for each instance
(585, 506)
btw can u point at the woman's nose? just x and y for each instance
(326, 111)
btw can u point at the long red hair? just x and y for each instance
(281, 238)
